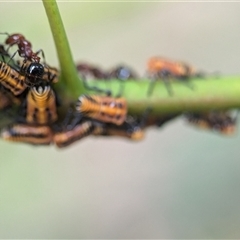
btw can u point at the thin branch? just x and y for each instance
(69, 78)
(207, 94)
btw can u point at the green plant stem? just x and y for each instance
(207, 94)
(69, 79)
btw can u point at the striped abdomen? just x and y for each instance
(11, 79)
(51, 74)
(103, 108)
(65, 138)
(41, 105)
(37, 135)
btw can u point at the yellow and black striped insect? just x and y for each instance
(103, 108)
(165, 69)
(50, 74)
(11, 79)
(37, 73)
(220, 121)
(36, 135)
(41, 105)
(68, 136)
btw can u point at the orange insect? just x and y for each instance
(36, 135)
(67, 137)
(41, 105)
(161, 67)
(103, 108)
(11, 79)
(164, 69)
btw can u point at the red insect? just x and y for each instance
(164, 69)
(24, 47)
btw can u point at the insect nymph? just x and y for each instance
(103, 108)
(36, 135)
(11, 79)
(41, 105)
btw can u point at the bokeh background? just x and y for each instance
(179, 182)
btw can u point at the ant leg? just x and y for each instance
(11, 58)
(77, 117)
(93, 88)
(168, 85)
(151, 87)
(43, 55)
(5, 33)
(188, 83)
(121, 88)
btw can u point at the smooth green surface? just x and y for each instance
(69, 79)
(205, 94)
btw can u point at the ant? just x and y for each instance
(24, 47)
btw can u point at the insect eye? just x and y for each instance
(35, 69)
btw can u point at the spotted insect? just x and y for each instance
(41, 105)
(164, 69)
(11, 79)
(103, 108)
(36, 135)
(24, 47)
(219, 121)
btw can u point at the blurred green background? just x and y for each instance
(179, 182)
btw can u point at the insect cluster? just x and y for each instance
(27, 84)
